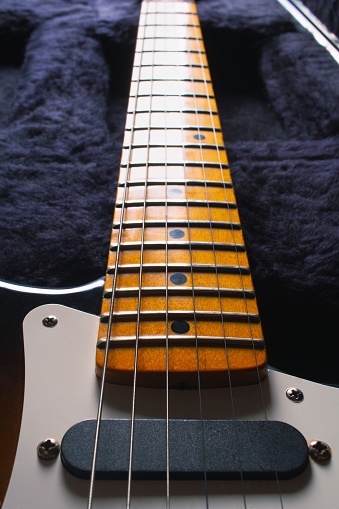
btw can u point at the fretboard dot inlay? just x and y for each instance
(177, 234)
(178, 274)
(178, 278)
(180, 327)
(175, 192)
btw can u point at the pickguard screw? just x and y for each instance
(48, 449)
(295, 394)
(50, 321)
(319, 451)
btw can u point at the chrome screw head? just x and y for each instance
(319, 451)
(294, 394)
(48, 449)
(50, 321)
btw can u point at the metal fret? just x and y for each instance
(195, 80)
(220, 246)
(137, 66)
(175, 145)
(170, 50)
(180, 291)
(176, 163)
(209, 316)
(179, 223)
(186, 110)
(170, 36)
(209, 183)
(185, 128)
(176, 202)
(187, 95)
(159, 340)
(183, 267)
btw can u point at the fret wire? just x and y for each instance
(185, 290)
(195, 321)
(184, 128)
(128, 501)
(161, 267)
(207, 146)
(169, 51)
(173, 37)
(128, 316)
(159, 80)
(164, 65)
(182, 245)
(188, 163)
(175, 203)
(153, 25)
(201, 96)
(177, 182)
(244, 343)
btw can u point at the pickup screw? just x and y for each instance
(319, 451)
(48, 449)
(295, 394)
(50, 321)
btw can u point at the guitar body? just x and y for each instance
(178, 308)
(61, 389)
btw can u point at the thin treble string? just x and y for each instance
(166, 277)
(243, 288)
(110, 317)
(211, 230)
(128, 500)
(193, 295)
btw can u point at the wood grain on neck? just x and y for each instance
(178, 273)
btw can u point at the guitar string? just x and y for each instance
(166, 298)
(129, 482)
(110, 316)
(243, 288)
(198, 41)
(193, 293)
(112, 304)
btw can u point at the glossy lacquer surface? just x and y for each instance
(178, 283)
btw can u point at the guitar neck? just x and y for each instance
(178, 292)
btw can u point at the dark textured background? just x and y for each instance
(64, 82)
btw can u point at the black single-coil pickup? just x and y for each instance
(220, 448)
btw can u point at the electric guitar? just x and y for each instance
(183, 411)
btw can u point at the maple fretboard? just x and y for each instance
(178, 285)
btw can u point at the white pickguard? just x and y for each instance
(61, 389)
